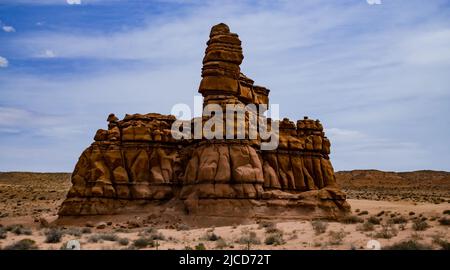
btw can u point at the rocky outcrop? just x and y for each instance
(137, 164)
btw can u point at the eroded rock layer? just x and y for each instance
(137, 165)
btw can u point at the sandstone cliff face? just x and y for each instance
(136, 163)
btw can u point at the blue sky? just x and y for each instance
(376, 75)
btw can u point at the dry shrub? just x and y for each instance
(408, 245)
(319, 226)
(387, 231)
(420, 225)
(336, 238)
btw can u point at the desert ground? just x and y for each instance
(408, 210)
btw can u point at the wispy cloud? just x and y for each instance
(3, 62)
(47, 54)
(374, 2)
(377, 76)
(74, 2)
(13, 120)
(8, 28)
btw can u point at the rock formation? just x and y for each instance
(137, 165)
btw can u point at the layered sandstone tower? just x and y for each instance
(137, 165)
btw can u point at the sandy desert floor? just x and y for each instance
(29, 203)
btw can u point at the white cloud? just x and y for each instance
(382, 88)
(344, 134)
(8, 29)
(374, 2)
(47, 54)
(3, 62)
(16, 120)
(74, 2)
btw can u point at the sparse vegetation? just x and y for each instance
(200, 246)
(53, 235)
(95, 238)
(438, 240)
(446, 212)
(398, 220)
(86, 230)
(210, 236)
(152, 234)
(365, 227)
(182, 227)
(249, 238)
(408, 245)
(374, 220)
(24, 244)
(336, 238)
(19, 229)
(273, 229)
(444, 221)
(3, 233)
(416, 236)
(123, 241)
(351, 219)
(264, 224)
(221, 244)
(73, 231)
(143, 242)
(387, 231)
(420, 225)
(275, 239)
(362, 213)
(319, 226)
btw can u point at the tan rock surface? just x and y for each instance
(136, 163)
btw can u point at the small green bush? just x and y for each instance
(200, 246)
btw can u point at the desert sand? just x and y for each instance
(415, 214)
